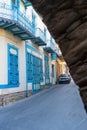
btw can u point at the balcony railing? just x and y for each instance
(56, 48)
(40, 33)
(50, 47)
(13, 14)
(6, 11)
(57, 51)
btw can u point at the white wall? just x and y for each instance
(3, 61)
(7, 38)
(5, 1)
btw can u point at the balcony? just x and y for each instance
(50, 47)
(40, 38)
(16, 22)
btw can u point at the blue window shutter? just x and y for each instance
(13, 73)
(41, 70)
(54, 56)
(29, 67)
(36, 73)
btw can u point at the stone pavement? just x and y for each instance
(57, 108)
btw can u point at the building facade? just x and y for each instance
(28, 52)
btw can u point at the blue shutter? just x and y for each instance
(54, 56)
(13, 73)
(37, 73)
(34, 71)
(41, 71)
(47, 78)
(29, 67)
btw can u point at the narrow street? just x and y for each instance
(57, 108)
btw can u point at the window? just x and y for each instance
(13, 72)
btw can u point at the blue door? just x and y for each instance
(13, 73)
(29, 67)
(34, 71)
(41, 70)
(36, 74)
(47, 78)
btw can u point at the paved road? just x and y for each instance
(58, 108)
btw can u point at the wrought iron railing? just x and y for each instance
(40, 33)
(14, 14)
(6, 11)
(50, 44)
(56, 49)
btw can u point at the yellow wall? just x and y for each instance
(62, 66)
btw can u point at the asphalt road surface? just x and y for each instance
(57, 108)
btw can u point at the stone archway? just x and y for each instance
(67, 22)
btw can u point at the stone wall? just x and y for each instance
(8, 98)
(67, 22)
(12, 97)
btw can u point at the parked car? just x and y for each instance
(64, 78)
